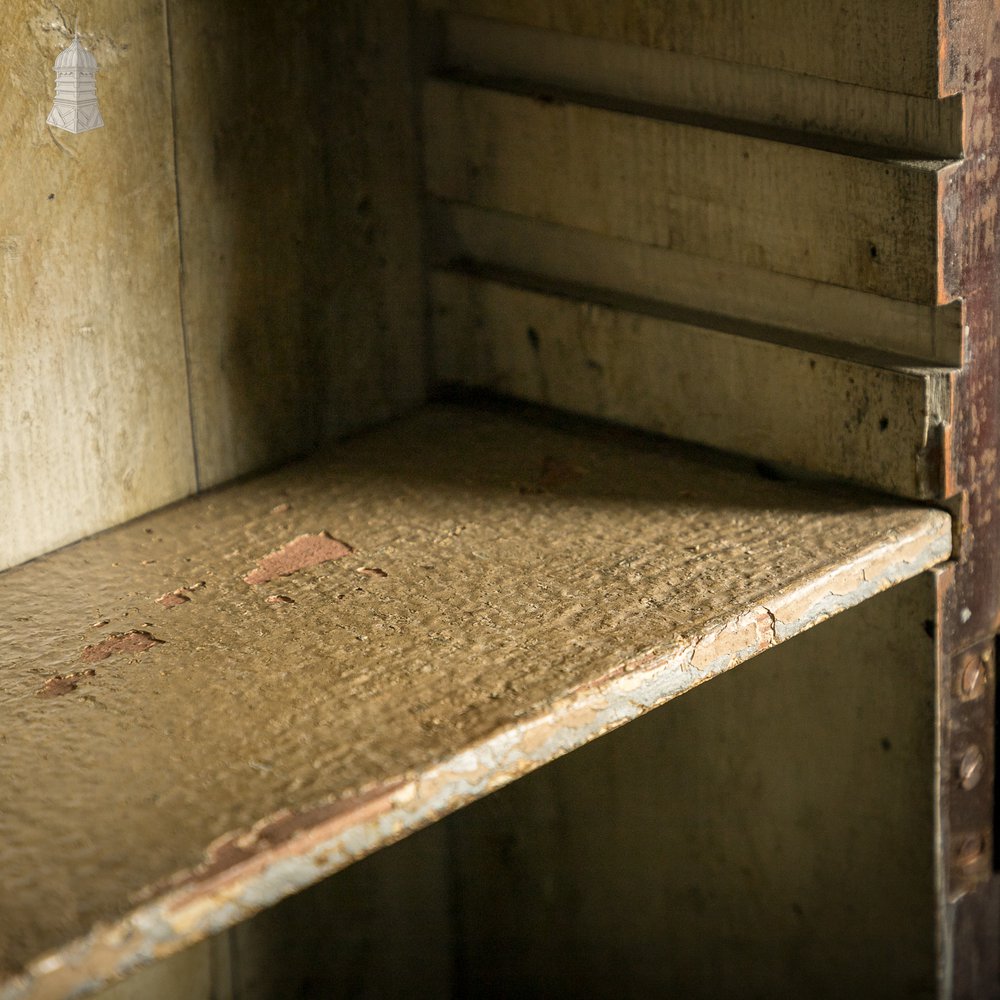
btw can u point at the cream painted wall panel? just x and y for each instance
(188, 975)
(94, 417)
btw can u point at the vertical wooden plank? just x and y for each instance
(381, 928)
(770, 834)
(93, 396)
(300, 213)
(186, 975)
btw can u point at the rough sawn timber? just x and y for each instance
(562, 255)
(808, 104)
(782, 401)
(889, 45)
(541, 586)
(867, 223)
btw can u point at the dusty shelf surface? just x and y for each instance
(180, 747)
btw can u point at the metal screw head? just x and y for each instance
(970, 851)
(971, 767)
(975, 673)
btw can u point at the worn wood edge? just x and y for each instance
(922, 334)
(760, 94)
(246, 871)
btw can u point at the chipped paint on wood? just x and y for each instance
(371, 707)
(175, 599)
(120, 643)
(62, 684)
(301, 553)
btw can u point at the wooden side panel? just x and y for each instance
(889, 45)
(865, 224)
(93, 398)
(768, 835)
(300, 204)
(780, 403)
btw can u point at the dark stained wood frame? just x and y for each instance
(969, 589)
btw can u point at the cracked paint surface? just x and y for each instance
(277, 735)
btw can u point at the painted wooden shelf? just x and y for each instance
(188, 737)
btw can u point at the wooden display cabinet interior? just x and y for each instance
(446, 385)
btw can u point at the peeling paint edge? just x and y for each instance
(299, 849)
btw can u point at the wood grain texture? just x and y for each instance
(614, 268)
(261, 745)
(300, 208)
(768, 835)
(93, 396)
(775, 98)
(864, 421)
(889, 45)
(870, 225)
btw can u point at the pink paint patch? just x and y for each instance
(174, 600)
(62, 684)
(300, 553)
(119, 642)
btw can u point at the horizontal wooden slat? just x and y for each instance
(514, 591)
(889, 45)
(876, 425)
(772, 97)
(871, 225)
(614, 267)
